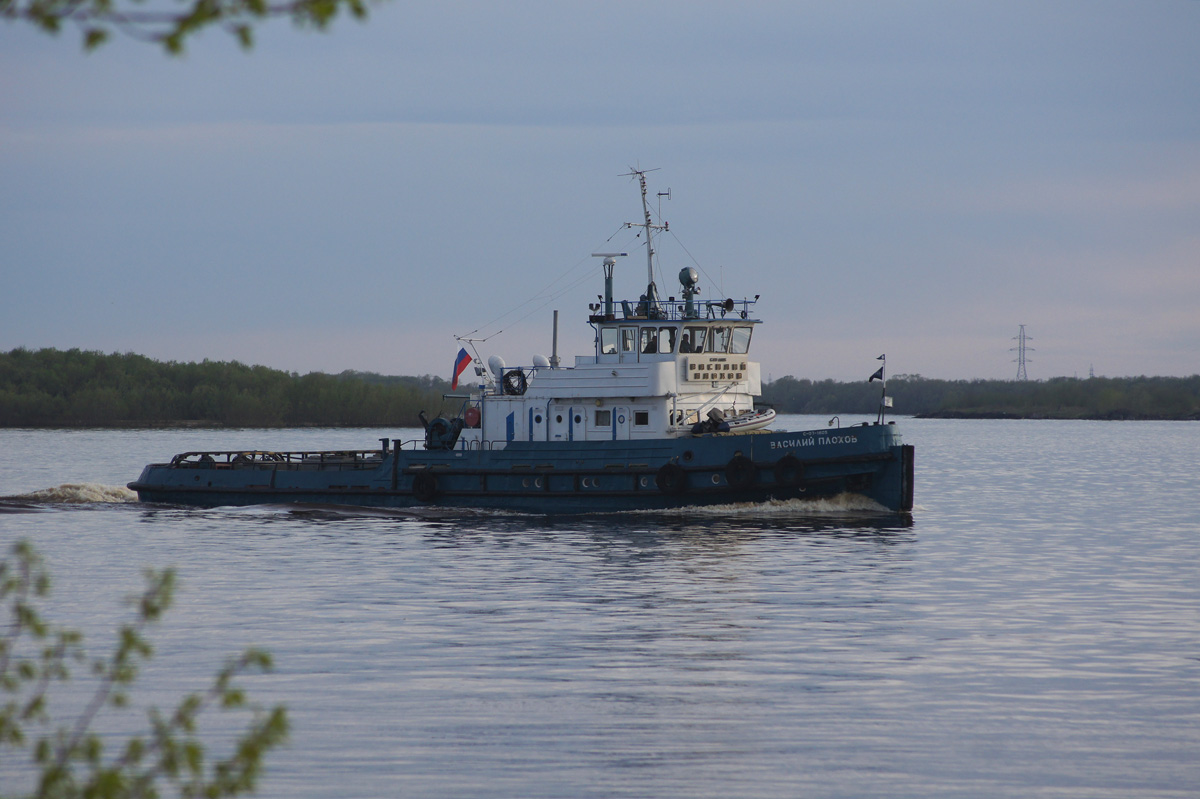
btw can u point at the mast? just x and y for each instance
(649, 231)
(647, 225)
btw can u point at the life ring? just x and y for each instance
(671, 479)
(789, 471)
(741, 472)
(514, 382)
(471, 416)
(425, 487)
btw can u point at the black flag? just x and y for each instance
(877, 376)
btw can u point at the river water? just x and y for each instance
(1034, 631)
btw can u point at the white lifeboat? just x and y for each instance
(751, 420)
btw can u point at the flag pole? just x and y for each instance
(883, 397)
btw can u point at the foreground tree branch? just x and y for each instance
(170, 22)
(70, 760)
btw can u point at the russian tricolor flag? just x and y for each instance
(460, 364)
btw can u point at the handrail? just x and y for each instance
(255, 457)
(675, 311)
(232, 457)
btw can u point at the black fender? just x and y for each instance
(671, 479)
(514, 382)
(789, 471)
(741, 472)
(425, 486)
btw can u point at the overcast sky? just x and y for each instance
(915, 178)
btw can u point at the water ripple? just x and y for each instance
(1031, 631)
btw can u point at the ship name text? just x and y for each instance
(814, 441)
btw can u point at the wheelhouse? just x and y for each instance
(649, 340)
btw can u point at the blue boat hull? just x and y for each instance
(562, 477)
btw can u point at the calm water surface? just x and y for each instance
(1035, 630)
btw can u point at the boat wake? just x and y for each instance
(75, 494)
(842, 504)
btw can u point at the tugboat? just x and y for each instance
(660, 416)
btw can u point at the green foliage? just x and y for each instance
(170, 25)
(70, 760)
(1057, 398)
(53, 388)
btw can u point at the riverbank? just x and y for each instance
(76, 389)
(1101, 398)
(1111, 416)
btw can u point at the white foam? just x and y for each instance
(832, 506)
(79, 493)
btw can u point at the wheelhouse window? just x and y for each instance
(608, 341)
(666, 339)
(628, 339)
(739, 343)
(693, 339)
(649, 344)
(718, 340)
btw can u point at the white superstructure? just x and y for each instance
(660, 368)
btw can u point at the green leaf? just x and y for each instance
(245, 36)
(69, 761)
(94, 37)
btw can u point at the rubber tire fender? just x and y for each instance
(671, 479)
(425, 487)
(741, 472)
(514, 383)
(789, 471)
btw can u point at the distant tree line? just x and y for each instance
(1056, 398)
(56, 388)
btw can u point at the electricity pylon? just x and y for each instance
(1021, 349)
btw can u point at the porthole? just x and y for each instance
(558, 419)
(537, 419)
(578, 419)
(716, 479)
